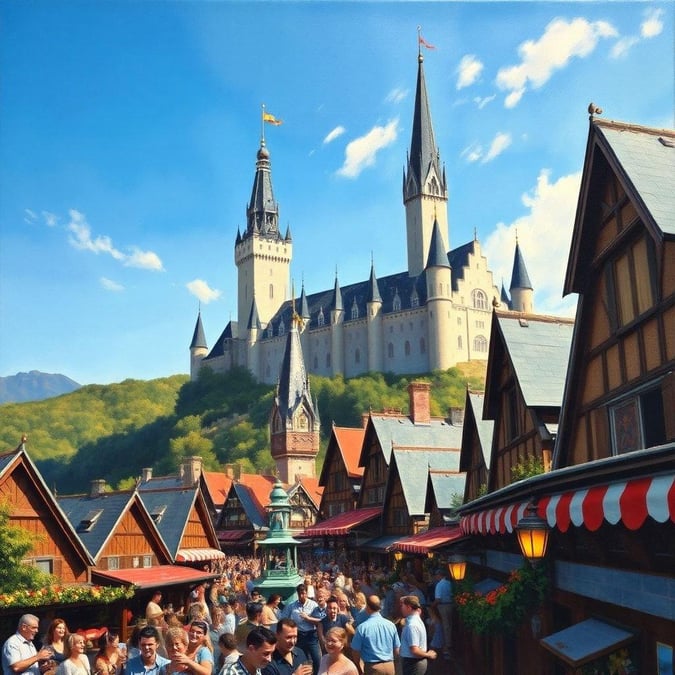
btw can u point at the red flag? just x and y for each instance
(424, 43)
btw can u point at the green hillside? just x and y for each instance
(113, 431)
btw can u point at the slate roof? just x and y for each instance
(112, 506)
(538, 348)
(174, 506)
(649, 164)
(250, 502)
(399, 430)
(519, 275)
(198, 337)
(445, 485)
(459, 259)
(413, 470)
(231, 331)
(293, 385)
(484, 428)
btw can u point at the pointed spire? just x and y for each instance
(438, 257)
(304, 306)
(373, 288)
(337, 294)
(293, 383)
(504, 296)
(262, 212)
(287, 237)
(253, 318)
(519, 276)
(238, 240)
(423, 150)
(198, 337)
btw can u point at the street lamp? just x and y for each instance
(398, 556)
(532, 532)
(457, 567)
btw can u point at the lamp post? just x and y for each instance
(457, 567)
(532, 532)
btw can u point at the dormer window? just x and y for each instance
(355, 310)
(282, 328)
(157, 513)
(414, 299)
(270, 331)
(397, 302)
(87, 523)
(321, 320)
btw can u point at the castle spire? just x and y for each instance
(262, 212)
(373, 288)
(522, 293)
(437, 254)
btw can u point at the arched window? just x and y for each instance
(407, 348)
(357, 356)
(480, 343)
(397, 302)
(414, 299)
(390, 350)
(321, 320)
(355, 310)
(479, 299)
(423, 346)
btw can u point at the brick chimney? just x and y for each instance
(97, 487)
(420, 410)
(146, 474)
(192, 470)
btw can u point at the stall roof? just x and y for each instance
(151, 577)
(429, 540)
(342, 523)
(199, 554)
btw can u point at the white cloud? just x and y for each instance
(81, 238)
(499, 143)
(622, 46)
(652, 25)
(29, 216)
(468, 71)
(202, 291)
(51, 219)
(111, 285)
(335, 133)
(562, 40)
(544, 235)
(361, 152)
(472, 152)
(396, 95)
(482, 102)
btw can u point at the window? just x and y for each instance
(390, 350)
(45, 565)
(113, 562)
(147, 561)
(480, 324)
(321, 320)
(479, 299)
(480, 343)
(459, 342)
(414, 299)
(271, 291)
(407, 348)
(397, 302)
(282, 328)
(355, 310)
(638, 421)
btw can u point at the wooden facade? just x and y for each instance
(56, 548)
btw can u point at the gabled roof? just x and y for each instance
(484, 429)
(10, 462)
(445, 485)
(311, 488)
(538, 348)
(413, 465)
(643, 158)
(347, 441)
(253, 492)
(218, 485)
(231, 331)
(399, 430)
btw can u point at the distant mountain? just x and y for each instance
(34, 386)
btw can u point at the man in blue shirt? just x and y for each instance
(376, 641)
(19, 655)
(301, 612)
(287, 658)
(148, 662)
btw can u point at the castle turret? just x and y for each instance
(337, 316)
(262, 254)
(294, 424)
(439, 303)
(253, 331)
(374, 322)
(522, 293)
(425, 191)
(198, 348)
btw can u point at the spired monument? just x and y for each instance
(280, 549)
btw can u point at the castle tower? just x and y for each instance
(522, 293)
(425, 190)
(261, 253)
(439, 303)
(294, 422)
(198, 348)
(375, 328)
(337, 315)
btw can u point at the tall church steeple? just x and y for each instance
(425, 190)
(294, 423)
(262, 254)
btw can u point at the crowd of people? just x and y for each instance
(347, 620)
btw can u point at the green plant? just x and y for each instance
(527, 467)
(66, 595)
(503, 609)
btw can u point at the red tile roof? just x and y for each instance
(349, 442)
(218, 484)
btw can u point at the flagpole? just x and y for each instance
(419, 41)
(262, 125)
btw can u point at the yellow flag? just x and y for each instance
(271, 119)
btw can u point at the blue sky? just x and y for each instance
(128, 135)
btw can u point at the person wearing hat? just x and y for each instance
(414, 653)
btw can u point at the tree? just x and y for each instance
(15, 543)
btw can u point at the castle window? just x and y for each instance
(321, 320)
(480, 324)
(423, 346)
(414, 299)
(390, 350)
(480, 344)
(397, 302)
(357, 356)
(459, 320)
(407, 348)
(355, 310)
(271, 291)
(459, 342)
(479, 299)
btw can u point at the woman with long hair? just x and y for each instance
(334, 662)
(76, 661)
(109, 660)
(199, 653)
(56, 637)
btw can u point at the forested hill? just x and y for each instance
(113, 431)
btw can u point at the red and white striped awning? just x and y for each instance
(629, 502)
(199, 554)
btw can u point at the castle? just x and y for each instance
(429, 317)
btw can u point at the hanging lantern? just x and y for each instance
(533, 532)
